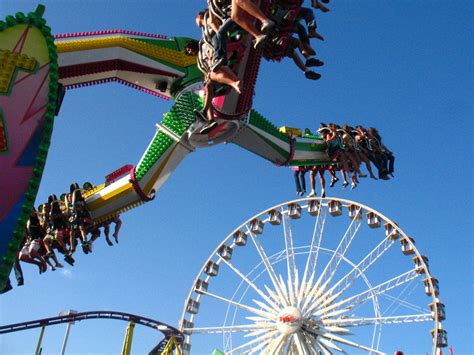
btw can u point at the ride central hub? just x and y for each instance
(289, 320)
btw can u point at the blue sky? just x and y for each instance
(403, 67)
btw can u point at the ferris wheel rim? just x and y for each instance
(323, 202)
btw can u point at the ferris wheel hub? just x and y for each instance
(289, 320)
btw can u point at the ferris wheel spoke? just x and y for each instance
(296, 286)
(406, 304)
(322, 299)
(321, 347)
(396, 301)
(346, 281)
(300, 344)
(308, 292)
(353, 301)
(264, 337)
(315, 292)
(274, 296)
(268, 266)
(257, 332)
(341, 249)
(291, 291)
(308, 340)
(291, 347)
(357, 322)
(260, 346)
(253, 310)
(290, 256)
(312, 261)
(283, 288)
(265, 307)
(250, 283)
(245, 328)
(344, 341)
(337, 256)
(313, 346)
(277, 344)
(336, 329)
(330, 344)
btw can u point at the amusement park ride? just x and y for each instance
(311, 310)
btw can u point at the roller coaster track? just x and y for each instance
(167, 330)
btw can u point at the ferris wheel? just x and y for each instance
(315, 276)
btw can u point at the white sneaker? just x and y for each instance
(312, 193)
(259, 41)
(267, 27)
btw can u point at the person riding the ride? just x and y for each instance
(212, 61)
(388, 156)
(29, 253)
(60, 229)
(359, 153)
(79, 218)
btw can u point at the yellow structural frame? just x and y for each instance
(127, 188)
(172, 347)
(127, 342)
(111, 196)
(165, 54)
(148, 187)
(90, 192)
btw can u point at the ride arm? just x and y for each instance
(166, 150)
(152, 63)
(175, 139)
(260, 136)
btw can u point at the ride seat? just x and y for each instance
(240, 238)
(438, 308)
(407, 248)
(314, 207)
(428, 288)
(274, 217)
(294, 211)
(442, 339)
(335, 208)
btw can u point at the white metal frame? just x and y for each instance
(317, 299)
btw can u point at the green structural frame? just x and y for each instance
(177, 120)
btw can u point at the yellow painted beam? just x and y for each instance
(165, 54)
(110, 197)
(172, 347)
(156, 175)
(127, 342)
(118, 211)
(93, 191)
